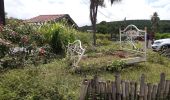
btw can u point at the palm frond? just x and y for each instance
(112, 1)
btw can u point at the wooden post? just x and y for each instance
(109, 90)
(123, 90)
(149, 91)
(118, 82)
(102, 90)
(136, 90)
(113, 90)
(142, 87)
(145, 92)
(167, 88)
(89, 90)
(127, 90)
(154, 92)
(95, 87)
(132, 91)
(168, 97)
(161, 87)
(84, 88)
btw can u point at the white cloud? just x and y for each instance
(79, 9)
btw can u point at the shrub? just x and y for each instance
(162, 35)
(116, 66)
(26, 85)
(103, 42)
(155, 57)
(103, 36)
(58, 36)
(3, 50)
(11, 35)
(86, 38)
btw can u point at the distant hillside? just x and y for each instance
(113, 27)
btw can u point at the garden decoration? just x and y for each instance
(133, 40)
(75, 52)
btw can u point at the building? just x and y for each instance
(51, 19)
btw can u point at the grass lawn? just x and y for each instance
(56, 80)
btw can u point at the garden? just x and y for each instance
(34, 63)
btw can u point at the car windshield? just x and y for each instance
(157, 42)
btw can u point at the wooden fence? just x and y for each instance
(95, 89)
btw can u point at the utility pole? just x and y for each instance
(2, 13)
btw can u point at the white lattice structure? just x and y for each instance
(134, 40)
(75, 52)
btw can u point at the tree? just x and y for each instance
(2, 12)
(94, 4)
(155, 22)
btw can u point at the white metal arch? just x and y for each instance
(130, 34)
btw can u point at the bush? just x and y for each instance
(103, 36)
(58, 36)
(3, 50)
(27, 86)
(162, 35)
(116, 66)
(155, 57)
(103, 42)
(86, 38)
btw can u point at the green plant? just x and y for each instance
(3, 50)
(86, 38)
(103, 42)
(26, 85)
(116, 66)
(162, 35)
(103, 36)
(11, 35)
(155, 57)
(58, 36)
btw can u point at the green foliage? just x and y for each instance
(103, 42)
(113, 27)
(155, 57)
(155, 22)
(26, 85)
(86, 38)
(3, 50)
(10, 35)
(103, 36)
(162, 35)
(26, 29)
(116, 66)
(58, 36)
(103, 39)
(31, 40)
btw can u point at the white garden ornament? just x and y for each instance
(75, 52)
(129, 40)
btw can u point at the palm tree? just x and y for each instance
(2, 12)
(155, 22)
(154, 26)
(94, 4)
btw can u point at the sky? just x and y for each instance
(79, 9)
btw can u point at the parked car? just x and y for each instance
(161, 44)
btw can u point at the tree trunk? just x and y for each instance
(2, 12)
(94, 34)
